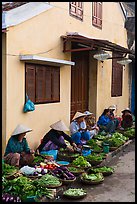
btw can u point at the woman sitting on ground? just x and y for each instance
(127, 119)
(78, 129)
(105, 123)
(91, 124)
(55, 138)
(112, 115)
(17, 151)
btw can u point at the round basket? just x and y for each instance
(68, 158)
(67, 181)
(107, 173)
(78, 172)
(74, 197)
(53, 186)
(12, 175)
(34, 177)
(84, 181)
(94, 162)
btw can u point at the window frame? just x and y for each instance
(97, 16)
(45, 68)
(77, 7)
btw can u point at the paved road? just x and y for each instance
(118, 187)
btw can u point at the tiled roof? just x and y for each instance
(11, 5)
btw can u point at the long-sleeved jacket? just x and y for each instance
(103, 120)
(15, 146)
(53, 136)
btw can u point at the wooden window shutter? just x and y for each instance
(56, 84)
(40, 83)
(30, 81)
(48, 89)
(76, 9)
(97, 14)
(117, 76)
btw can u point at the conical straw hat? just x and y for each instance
(21, 129)
(88, 113)
(112, 107)
(126, 109)
(59, 125)
(78, 115)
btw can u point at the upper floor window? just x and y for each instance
(117, 77)
(76, 9)
(42, 83)
(97, 14)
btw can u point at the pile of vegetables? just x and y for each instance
(92, 143)
(75, 192)
(116, 140)
(94, 157)
(62, 172)
(8, 169)
(47, 180)
(48, 165)
(92, 177)
(130, 132)
(81, 162)
(103, 169)
(38, 159)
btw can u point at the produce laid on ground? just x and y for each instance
(42, 179)
(63, 174)
(67, 155)
(94, 159)
(75, 170)
(130, 133)
(75, 193)
(93, 178)
(105, 170)
(81, 162)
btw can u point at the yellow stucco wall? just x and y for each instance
(42, 34)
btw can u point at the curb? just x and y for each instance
(110, 155)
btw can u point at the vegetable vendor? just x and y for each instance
(91, 124)
(78, 129)
(105, 123)
(17, 151)
(127, 118)
(56, 137)
(112, 115)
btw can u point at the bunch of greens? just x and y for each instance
(130, 132)
(38, 159)
(81, 162)
(19, 185)
(93, 177)
(93, 157)
(46, 180)
(102, 169)
(75, 192)
(8, 169)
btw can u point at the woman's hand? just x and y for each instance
(32, 151)
(70, 149)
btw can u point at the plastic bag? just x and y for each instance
(29, 106)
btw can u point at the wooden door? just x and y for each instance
(79, 82)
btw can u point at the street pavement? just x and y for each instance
(118, 187)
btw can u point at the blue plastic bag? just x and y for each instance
(29, 106)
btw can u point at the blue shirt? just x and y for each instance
(15, 146)
(74, 126)
(103, 120)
